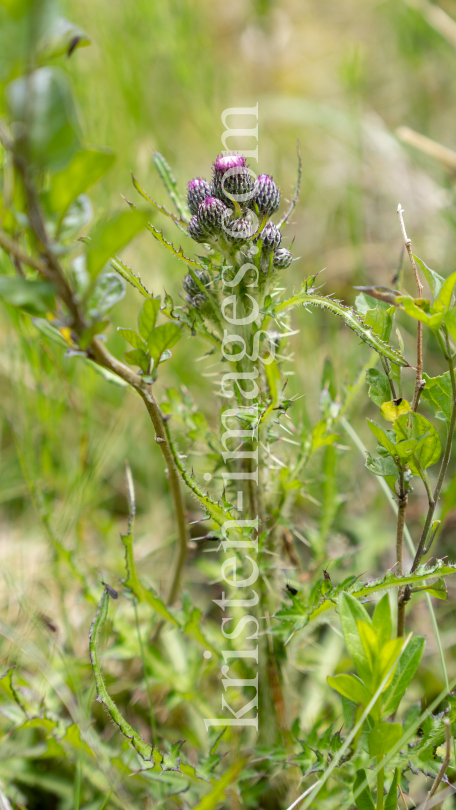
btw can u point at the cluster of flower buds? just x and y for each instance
(232, 207)
(194, 294)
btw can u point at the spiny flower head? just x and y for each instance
(195, 231)
(189, 284)
(266, 195)
(211, 215)
(232, 179)
(282, 258)
(270, 237)
(239, 230)
(197, 191)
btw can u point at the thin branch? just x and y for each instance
(419, 383)
(402, 508)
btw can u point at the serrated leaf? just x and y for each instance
(132, 337)
(170, 183)
(363, 800)
(171, 760)
(439, 393)
(161, 338)
(147, 316)
(379, 387)
(177, 252)
(138, 357)
(111, 234)
(351, 318)
(129, 276)
(381, 321)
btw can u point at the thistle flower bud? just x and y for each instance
(197, 301)
(237, 231)
(212, 213)
(197, 191)
(270, 237)
(195, 231)
(265, 194)
(282, 258)
(189, 284)
(232, 179)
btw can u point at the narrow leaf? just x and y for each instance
(364, 799)
(351, 612)
(391, 799)
(433, 279)
(129, 276)
(170, 183)
(405, 670)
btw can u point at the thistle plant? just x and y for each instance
(257, 452)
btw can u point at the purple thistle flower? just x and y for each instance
(194, 230)
(212, 213)
(266, 195)
(197, 191)
(239, 230)
(232, 179)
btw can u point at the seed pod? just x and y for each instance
(282, 258)
(197, 191)
(194, 230)
(232, 180)
(265, 194)
(237, 231)
(270, 237)
(212, 213)
(189, 284)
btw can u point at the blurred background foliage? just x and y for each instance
(340, 76)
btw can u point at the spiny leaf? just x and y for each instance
(178, 253)
(157, 205)
(350, 318)
(129, 276)
(170, 183)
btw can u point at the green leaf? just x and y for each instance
(111, 234)
(379, 387)
(434, 321)
(382, 621)
(383, 737)
(86, 168)
(129, 276)
(147, 316)
(351, 687)
(350, 318)
(108, 291)
(381, 321)
(132, 337)
(446, 293)
(428, 449)
(438, 590)
(382, 436)
(170, 183)
(384, 465)
(364, 799)
(439, 393)
(383, 294)
(433, 279)
(218, 793)
(328, 378)
(351, 612)
(42, 103)
(62, 37)
(163, 337)
(138, 357)
(394, 408)
(391, 799)
(405, 670)
(35, 297)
